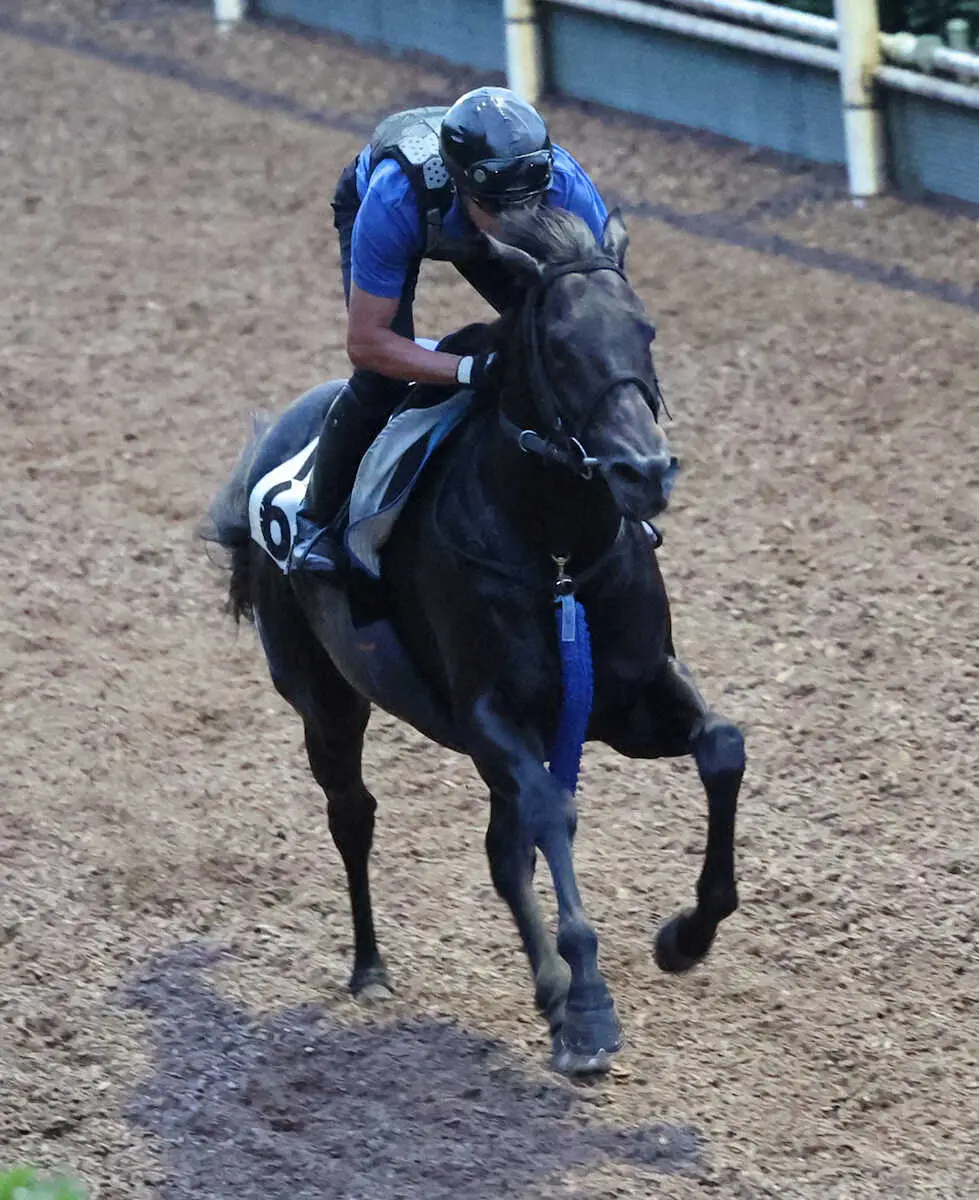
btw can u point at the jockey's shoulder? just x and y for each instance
(389, 178)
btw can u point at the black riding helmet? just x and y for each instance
(496, 147)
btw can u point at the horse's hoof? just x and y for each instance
(579, 1066)
(371, 985)
(586, 1041)
(669, 955)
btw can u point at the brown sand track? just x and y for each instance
(167, 264)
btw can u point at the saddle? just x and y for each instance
(387, 475)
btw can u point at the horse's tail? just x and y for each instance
(226, 522)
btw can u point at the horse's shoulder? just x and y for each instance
(465, 523)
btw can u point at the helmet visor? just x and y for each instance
(499, 182)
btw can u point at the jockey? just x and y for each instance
(428, 185)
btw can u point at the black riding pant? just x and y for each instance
(362, 410)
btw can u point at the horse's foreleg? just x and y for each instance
(511, 861)
(546, 814)
(681, 722)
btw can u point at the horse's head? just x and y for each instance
(580, 388)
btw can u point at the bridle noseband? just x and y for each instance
(557, 445)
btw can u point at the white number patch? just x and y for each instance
(274, 502)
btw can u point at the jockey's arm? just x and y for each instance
(372, 345)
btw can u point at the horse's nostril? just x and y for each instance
(641, 471)
(628, 473)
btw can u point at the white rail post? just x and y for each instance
(524, 65)
(863, 126)
(958, 34)
(228, 13)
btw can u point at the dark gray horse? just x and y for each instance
(565, 467)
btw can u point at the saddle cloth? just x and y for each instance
(385, 480)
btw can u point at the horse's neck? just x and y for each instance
(557, 513)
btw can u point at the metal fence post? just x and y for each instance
(863, 127)
(524, 65)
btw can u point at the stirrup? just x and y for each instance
(315, 549)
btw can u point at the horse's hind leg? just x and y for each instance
(679, 722)
(334, 719)
(334, 749)
(511, 861)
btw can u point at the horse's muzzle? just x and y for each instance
(641, 485)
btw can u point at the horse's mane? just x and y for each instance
(551, 235)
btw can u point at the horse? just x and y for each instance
(547, 488)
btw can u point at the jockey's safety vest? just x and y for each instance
(411, 138)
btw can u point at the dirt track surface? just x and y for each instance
(174, 937)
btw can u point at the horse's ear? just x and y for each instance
(517, 261)
(615, 237)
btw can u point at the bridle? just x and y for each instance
(555, 443)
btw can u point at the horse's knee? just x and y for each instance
(718, 748)
(548, 811)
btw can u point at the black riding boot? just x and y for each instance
(355, 418)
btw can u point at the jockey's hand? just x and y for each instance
(481, 372)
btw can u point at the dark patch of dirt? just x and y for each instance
(295, 1104)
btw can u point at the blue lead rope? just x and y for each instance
(577, 691)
